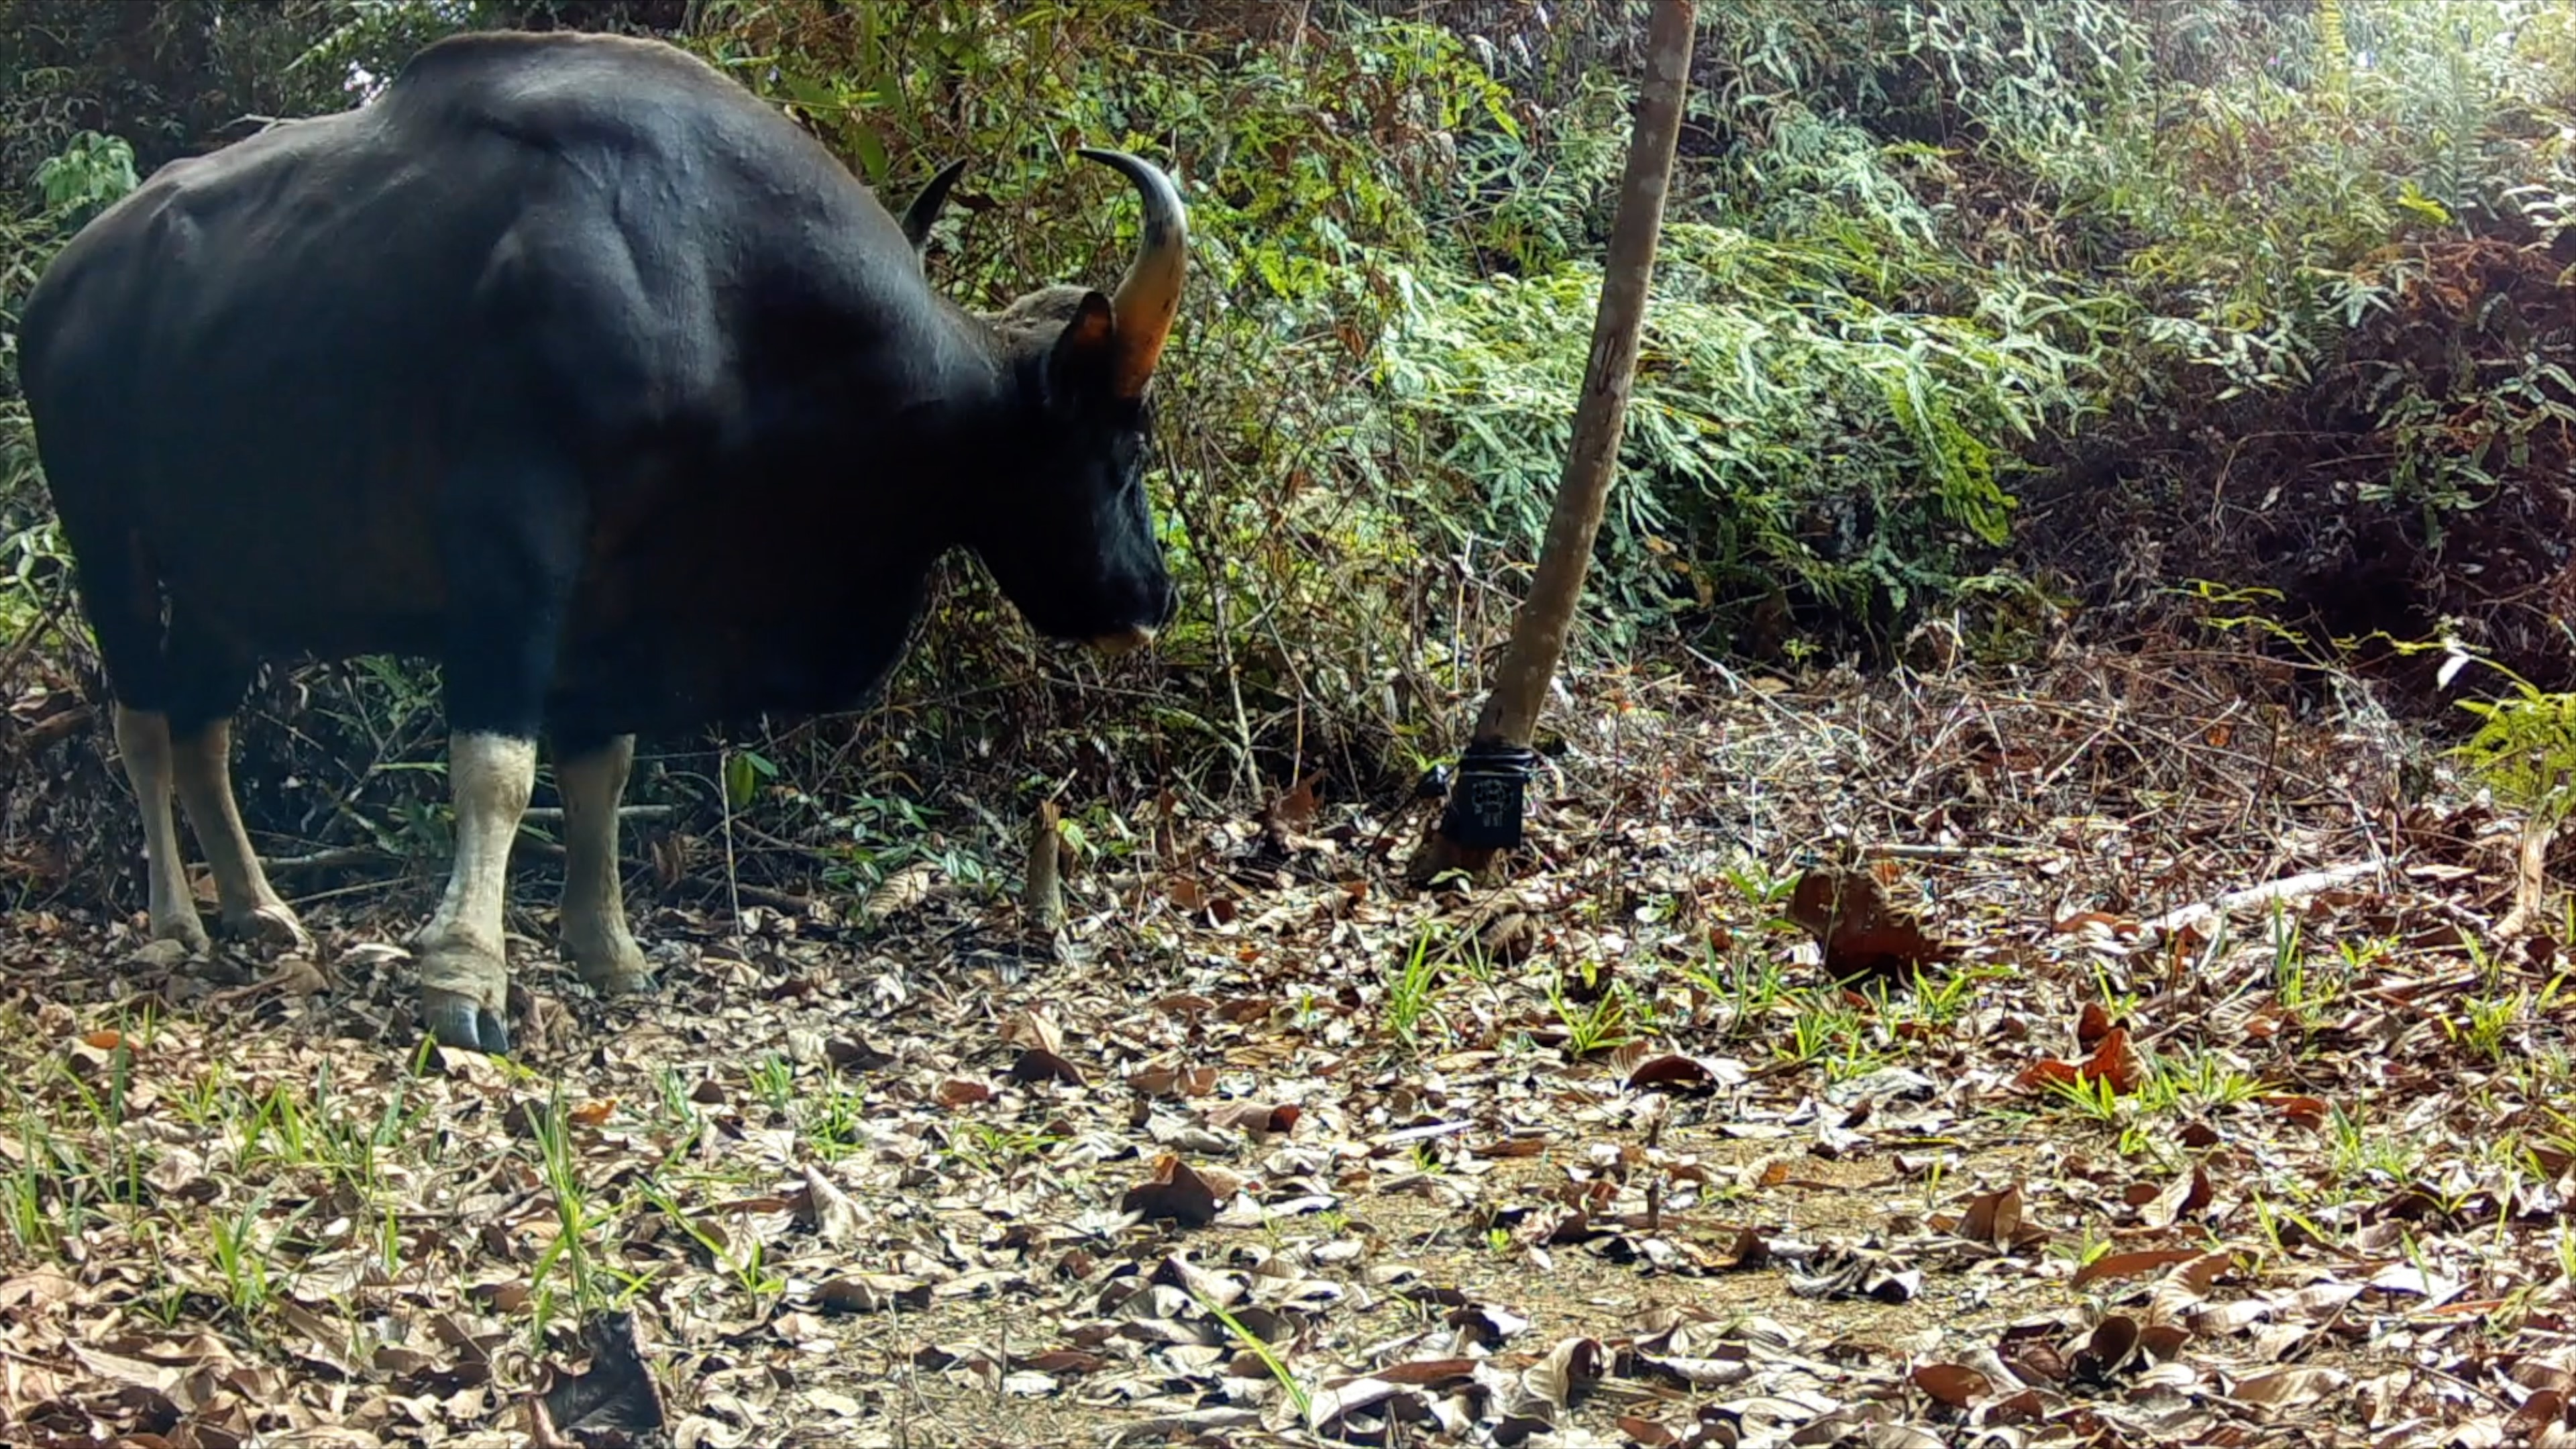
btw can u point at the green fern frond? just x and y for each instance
(2338, 56)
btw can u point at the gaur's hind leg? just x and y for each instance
(591, 778)
(251, 907)
(122, 597)
(143, 743)
(207, 677)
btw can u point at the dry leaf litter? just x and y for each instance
(1873, 1063)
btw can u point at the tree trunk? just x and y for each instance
(1041, 893)
(1483, 816)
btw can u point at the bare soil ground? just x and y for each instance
(1263, 1150)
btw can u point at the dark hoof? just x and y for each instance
(465, 1024)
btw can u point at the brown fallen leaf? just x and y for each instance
(2543, 1408)
(1648, 1433)
(2102, 921)
(2303, 1111)
(2183, 1196)
(1165, 1081)
(1332, 1410)
(837, 1220)
(43, 1288)
(2163, 1342)
(1284, 819)
(1952, 1384)
(1254, 1117)
(901, 891)
(1674, 1071)
(1174, 1193)
(2130, 1265)
(2047, 1072)
(1034, 1030)
(872, 1293)
(1864, 934)
(2025, 1407)
(2107, 1349)
(1566, 1375)
(2289, 1388)
(849, 1054)
(1430, 1373)
(1993, 1217)
(1040, 1065)
(2113, 1062)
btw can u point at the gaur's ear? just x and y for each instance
(1079, 366)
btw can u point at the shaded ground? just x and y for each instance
(1273, 1155)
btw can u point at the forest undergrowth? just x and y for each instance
(2011, 948)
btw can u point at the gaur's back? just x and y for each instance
(519, 232)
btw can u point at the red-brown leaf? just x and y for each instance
(2130, 1265)
(1954, 1384)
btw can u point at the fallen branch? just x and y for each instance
(61, 724)
(1906, 850)
(2288, 888)
(1424, 1133)
(548, 814)
(26, 644)
(332, 859)
(347, 855)
(760, 895)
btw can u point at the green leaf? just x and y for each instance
(808, 92)
(2422, 205)
(872, 156)
(743, 772)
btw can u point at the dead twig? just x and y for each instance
(2286, 889)
(342, 856)
(26, 644)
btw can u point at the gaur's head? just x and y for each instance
(1070, 539)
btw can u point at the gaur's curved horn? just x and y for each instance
(925, 208)
(1149, 296)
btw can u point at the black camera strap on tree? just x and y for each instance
(1486, 798)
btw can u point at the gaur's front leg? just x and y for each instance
(510, 545)
(464, 971)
